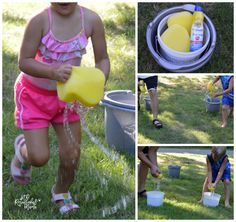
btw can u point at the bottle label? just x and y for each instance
(196, 41)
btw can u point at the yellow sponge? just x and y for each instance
(210, 86)
(184, 19)
(177, 38)
(85, 85)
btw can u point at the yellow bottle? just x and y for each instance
(85, 85)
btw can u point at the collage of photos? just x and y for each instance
(117, 110)
(185, 104)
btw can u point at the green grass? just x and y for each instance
(221, 15)
(183, 113)
(182, 194)
(92, 195)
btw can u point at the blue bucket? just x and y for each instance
(212, 105)
(174, 171)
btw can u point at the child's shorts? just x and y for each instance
(145, 150)
(151, 82)
(225, 176)
(37, 107)
(226, 100)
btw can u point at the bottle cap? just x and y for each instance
(198, 8)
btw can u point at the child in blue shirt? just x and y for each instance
(227, 82)
(218, 168)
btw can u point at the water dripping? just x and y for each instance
(114, 156)
(130, 130)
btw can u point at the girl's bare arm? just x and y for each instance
(221, 171)
(209, 171)
(99, 45)
(31, 41)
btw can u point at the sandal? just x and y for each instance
(68, 206)
(142, 193)
(22, 174)
(157, 123)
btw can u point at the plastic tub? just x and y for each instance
(174, 171)
(154, 46)
(180, 57)
(120, 119)
(155, 198)
(147, 103)
(212, 104)
(211, 199)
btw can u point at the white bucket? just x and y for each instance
(155, 198)
(211, 199)
(180, 57)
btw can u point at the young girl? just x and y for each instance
(227, 82)
(54, 40)
(148, 160)
(218, 168)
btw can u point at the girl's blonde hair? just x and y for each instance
(219, 151)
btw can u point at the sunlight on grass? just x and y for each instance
(170, 120)
(199, 135)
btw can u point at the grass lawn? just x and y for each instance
(221, 15)
(183, 113)
(182, 194)
(103, 186)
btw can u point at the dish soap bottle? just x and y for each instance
(196, 40)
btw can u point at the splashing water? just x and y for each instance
(114, 156)
(120, 204)
(158, 184)
(82, 111)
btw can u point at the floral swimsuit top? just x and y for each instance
(53, 51)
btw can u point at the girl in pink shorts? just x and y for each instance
(54, 40)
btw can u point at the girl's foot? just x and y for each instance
(20, 172)
(142, 193)
(227, 205)
(223, 125)
(64, 201)
(200, 201)
(156, 123)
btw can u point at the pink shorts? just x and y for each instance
(37, 107)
